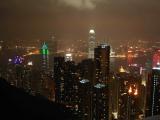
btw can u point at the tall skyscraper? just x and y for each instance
(126, 94)
(59, 79)
(91, 44)
(102, 61)
(85, 98)
(70, 81)
(45, 57)
(100, 102)
(19, 70)
(153, 98)
(87, 74)
(101, 83)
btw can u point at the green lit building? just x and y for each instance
(45, 57)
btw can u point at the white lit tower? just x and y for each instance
(91, 44)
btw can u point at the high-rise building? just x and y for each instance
(45, 57)
(85, 98)
(143, 89)
(28, 76)
(101, 83)
(66, 84)
(87, 74)
(59, 79)
(100, 102)
(128, 96)
(87, 70)
(114, 97)
(91, 44)
(70, 83)
(153, 88)
(19, 70)
(102, 62)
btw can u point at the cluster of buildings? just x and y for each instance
(89, 88)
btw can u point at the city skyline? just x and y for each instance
(93, 59)
(109, 85)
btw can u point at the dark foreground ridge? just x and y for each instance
(18, 105)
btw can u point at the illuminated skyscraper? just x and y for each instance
(85, 98)
(87, 73)
(153, 97)
(91, 44)
(45, 57)
(143, 89)
(19, 69)
(102, 61)
(101, 83)
(125, 95)
(100, 102)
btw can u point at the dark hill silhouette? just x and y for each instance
(18, 105)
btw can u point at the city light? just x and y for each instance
(136, 92)
(68, 57)
(30, 63)
(130, 90)
(156, 68)
(115, 115)
(122, 70)
(44, 49)
(87, 59)
(9, 60)
(92, 31)
(99, 85)
(18, 60)
(84, 81)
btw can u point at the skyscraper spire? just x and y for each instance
(91, 44)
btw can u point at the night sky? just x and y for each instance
(71, 20)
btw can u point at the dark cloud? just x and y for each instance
(71, 19)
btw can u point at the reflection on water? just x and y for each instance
(116, 63)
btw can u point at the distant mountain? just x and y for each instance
(18, 105)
